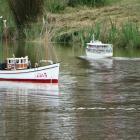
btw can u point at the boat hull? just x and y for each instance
(98, 55)
(45, 74)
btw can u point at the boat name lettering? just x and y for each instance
(41, 75)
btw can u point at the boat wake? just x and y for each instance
(106, 59)
(126, 58)
(104, 108)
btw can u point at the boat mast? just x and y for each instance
(93, 38)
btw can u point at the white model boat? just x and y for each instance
(96, 49)
(18, 69)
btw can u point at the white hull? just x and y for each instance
(45, 74)
(96, 49)
(98, 55)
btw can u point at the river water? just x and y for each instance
(95, 100)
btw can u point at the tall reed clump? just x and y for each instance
(113, 32)
(130, 35)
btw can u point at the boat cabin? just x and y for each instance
(99, 47)
(17, 63)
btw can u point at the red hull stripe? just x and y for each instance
(32, 80)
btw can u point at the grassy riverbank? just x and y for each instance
(117, 22)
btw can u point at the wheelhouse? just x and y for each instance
(17, 63)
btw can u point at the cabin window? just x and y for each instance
(17, 61)
(10, 61)
(21, 60)
(24, 60)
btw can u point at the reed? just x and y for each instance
(130, 35)
(112, 34)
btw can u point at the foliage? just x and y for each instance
(55, 6)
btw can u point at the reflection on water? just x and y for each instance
(94, 100)
(49, 89)
(23, 106)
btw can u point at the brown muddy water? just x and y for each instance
(94, 100)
